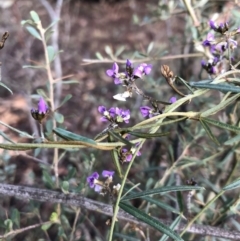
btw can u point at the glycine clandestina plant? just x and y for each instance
(125, 141)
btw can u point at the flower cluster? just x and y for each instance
(128, 77)
(126, 155)
(100, 186)
(41, 112)
(147, 111)
(216, 48)
(114, 115)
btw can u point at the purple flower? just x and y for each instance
(106, 173)
(221, 28)
(114, 73)
(173, 99)
(142, 69)
(209, 40)
(128, 64)
(42, 106)
(146, 111)
(209, 67)
(122, 114)
(127, 155)
(92, 179)
(41, 112)
(212, 25)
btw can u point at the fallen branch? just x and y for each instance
(43, 195)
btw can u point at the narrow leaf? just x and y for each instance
(209, 132)
(222, 125)
(33, 32)
(148, 135)
(172, 226)
(150, 221)
(220, 106)
(67, 135)
(99, 56)
(221, 87)
(161, 205)
(119, 51)
(233, 185)
(120, 138)
(114, 154)
(4, 86)
(233, 141)
(67, 98)
(33, 67)
(161, 190)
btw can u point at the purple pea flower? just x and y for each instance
(42, 106)
(127, 155)
(142, 69)
(173, 99)
(221, 28)
(41, 112)
(146, 111)
(209, 40)
(122, 114)
(114, 74)
(92, 181)
(109, 174)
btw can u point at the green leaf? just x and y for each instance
(54, 217)
(71, 173)
(99, 56)
(233, 185)
(8, 224)
(221, 125)
(120, 138)
(51, 25)
(65, 187)
(35, 16)
(150, 47)
(162, 190)
(33, 67)
(67, 135)
(58, 117)
(51, 53)
(33, 32)
(119, 50)
(147, 135)
(232, 141)
(220, 106)
(4, 86)
(42, 93)
(150, 221)
(6, 137)
(46, 226)
(114, 154)
(108, 50)
(221, 87)
(161, 205)
(172, 226)
(15, 217)
(209, 132)
(48, 179)
(66, 98)
(68, 82)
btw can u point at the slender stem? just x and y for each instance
(51, 97)
(191, 12)
(116, 207)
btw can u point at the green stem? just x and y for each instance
(116, 206)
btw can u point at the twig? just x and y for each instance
(77, 200)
